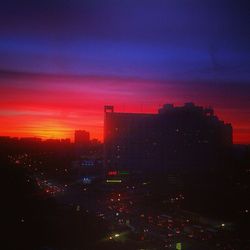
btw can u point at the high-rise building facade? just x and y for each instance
(183, 137)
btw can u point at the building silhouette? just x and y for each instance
(82, 138)
(177, 138)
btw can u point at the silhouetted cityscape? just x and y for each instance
(124, 125)
(171, 180)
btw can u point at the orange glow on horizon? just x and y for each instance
(49, 130)
(54, 107)
(53, 129)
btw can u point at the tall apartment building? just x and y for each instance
(177, 138)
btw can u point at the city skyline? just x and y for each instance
(50, 133)
(62, 61)
(125, 124)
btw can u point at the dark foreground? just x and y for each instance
(40, 212)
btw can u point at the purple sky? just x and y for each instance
(197, 49)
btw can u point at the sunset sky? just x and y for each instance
(62, 61)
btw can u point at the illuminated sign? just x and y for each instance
(123, 172)
(112, 173)
(113, 181)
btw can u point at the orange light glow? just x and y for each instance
(54, 107)
(49, 130)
